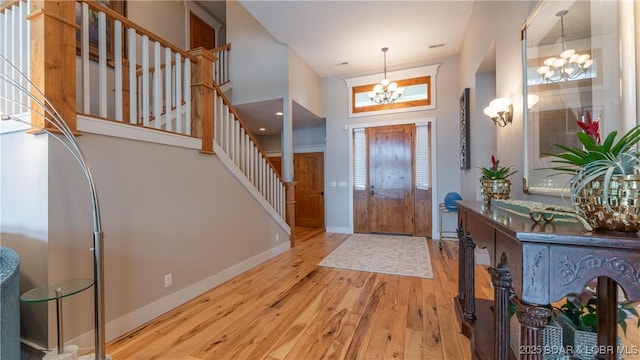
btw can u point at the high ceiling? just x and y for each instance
(328, 33)
(346, 36)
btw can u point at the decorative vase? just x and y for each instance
(623, 212)
(499, 189)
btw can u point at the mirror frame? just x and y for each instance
(628, 17)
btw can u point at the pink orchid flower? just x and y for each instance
(591, 127)
(495, 162)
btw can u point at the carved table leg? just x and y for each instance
(470, 278)
(461, 262)
(533, 319)
(501, 281)
(607, 318)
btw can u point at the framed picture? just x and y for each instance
(465, 162)
(119, 6)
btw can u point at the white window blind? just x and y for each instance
(359, 159)
(423, 178)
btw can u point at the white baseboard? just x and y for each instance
(338, 229)
(132, 320)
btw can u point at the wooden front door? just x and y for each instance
(390, 202)
(309, 175)
(201, 34)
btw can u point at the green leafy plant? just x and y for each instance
(495, 172)
(596, 158)
(582, 311)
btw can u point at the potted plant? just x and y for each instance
(494, 182)
(601, 172)
(578, 318)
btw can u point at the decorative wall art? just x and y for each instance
(465, 161)
(119, 6)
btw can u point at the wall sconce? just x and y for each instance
(532, 100)
(500, 111)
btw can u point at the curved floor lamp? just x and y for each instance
(48, 112)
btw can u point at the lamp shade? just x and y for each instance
(500, 104)
(490, 112)
(532, 100)
(567, 53)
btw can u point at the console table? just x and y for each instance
(542, 263)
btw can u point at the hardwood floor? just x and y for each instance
(289, 308)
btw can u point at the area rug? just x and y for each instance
(387, 254)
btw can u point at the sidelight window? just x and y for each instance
(360, 159)
(423, 178)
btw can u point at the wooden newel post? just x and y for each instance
(290, 199)
(53, 58)
(126, 92)
(202, 91)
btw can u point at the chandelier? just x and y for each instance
(386, 92)
(569, 65)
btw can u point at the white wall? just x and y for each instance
(168, 19)
(259, 63)
(483, 135)
(24, 223)
(305, 87)
(482, 31)
(305, 138)
(165, 209)
(335, 96)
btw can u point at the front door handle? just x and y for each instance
(373, 192)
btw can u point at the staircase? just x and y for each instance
(174, 208)
(147, 82)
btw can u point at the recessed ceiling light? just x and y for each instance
(262, 129)
(279, 113)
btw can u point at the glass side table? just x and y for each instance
(56, 292)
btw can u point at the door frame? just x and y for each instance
(324, 190)
(434, 180)
(311, 149)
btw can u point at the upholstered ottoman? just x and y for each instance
(9, 304)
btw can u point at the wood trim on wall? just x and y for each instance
(397, 105)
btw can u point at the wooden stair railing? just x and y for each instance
(137, 98)
(14, 46)
(220, 77)
(221, 67)
(170, 78)
(240, 146)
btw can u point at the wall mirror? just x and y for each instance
(578, 61)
